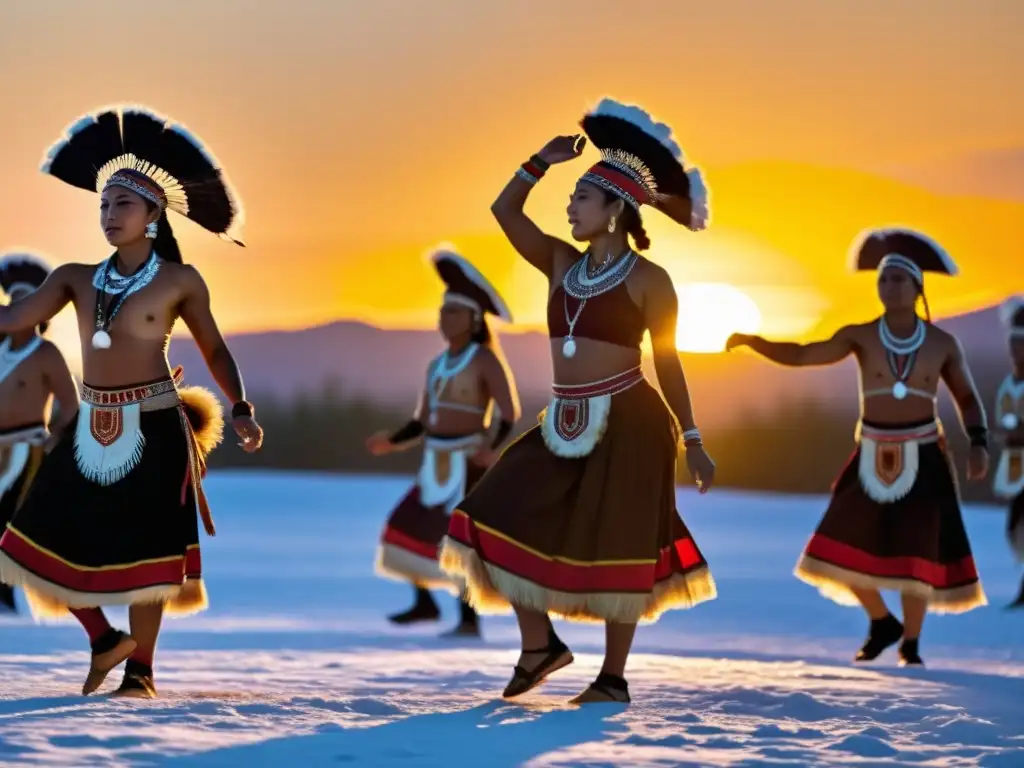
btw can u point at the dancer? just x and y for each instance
(578, 517)
(1009, 476)
(894, 521)
(33, 374)
(111, 517)
(463, 383)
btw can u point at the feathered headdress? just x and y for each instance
(1011, 314)
(907, 249)
(161, 161)
(22, 273)
(641, 162)
(466, 285)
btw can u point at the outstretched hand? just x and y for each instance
(249, 432)
(701, 467)
(737, 340)
(379, 443)
(563, 148)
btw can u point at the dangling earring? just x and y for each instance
(611, 225)
(151, 229)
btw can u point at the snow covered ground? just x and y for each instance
(295, 665)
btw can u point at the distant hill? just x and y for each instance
(388, 367)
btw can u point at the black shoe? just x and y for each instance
(606, 689)
(469, 622)
(883, 633)
(137, 683)
(1019, 602)
(424, 609)
(909, 656)
(7, 604)
(557, 655)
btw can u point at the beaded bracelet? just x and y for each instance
(691, 438)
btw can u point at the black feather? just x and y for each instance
(610, 132)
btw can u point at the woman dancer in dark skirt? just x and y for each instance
(463, 383)
(578, 517)
(894, 521)
(112, 516)
(33, 375)
(1009, 476)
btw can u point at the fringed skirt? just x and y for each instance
(894, 522)
(410, 546)
(578, 517)
(111, 518)
(21, 453)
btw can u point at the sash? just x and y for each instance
(1009, 477)
(443, 473)
(15, 449)
(890, 459)
(576, 418)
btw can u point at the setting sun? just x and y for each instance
(710, 312)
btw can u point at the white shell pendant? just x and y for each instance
(569, 348)
(899, 390)
(101, 340)
(1009, 421)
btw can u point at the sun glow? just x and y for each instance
(710, 312)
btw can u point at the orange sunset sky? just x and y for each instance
(360, 133)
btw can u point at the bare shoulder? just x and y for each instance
(946, 341)
(74, 273)
(486, 359)
(564, 255)
(50, 354)
(653, 277)
(187, 278)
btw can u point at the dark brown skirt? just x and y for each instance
(1015, 526)
(596, 538)
(916, 545)
(410, 547)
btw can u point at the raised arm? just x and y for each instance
(57, 377)
(787, 353)
(40, 305)
(501, 386)
(526, 237)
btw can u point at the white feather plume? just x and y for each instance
(642, 120)
(24, 257)
(446, 252)
(1009, 308)
(700, 208)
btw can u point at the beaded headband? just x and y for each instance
(902, 262)
(140, 184)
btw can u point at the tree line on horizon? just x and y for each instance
(799, 447)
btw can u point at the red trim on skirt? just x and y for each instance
(396, 538)
(109, 580)
(936, 575)
(562, 576)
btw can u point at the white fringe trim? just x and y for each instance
(105, 465)
(49, 601)
(433, 492)
(834, 583)
(597, 410)
(1002, 485)
(400, 564)
(492, 591)
(16, 463)
(873, 485)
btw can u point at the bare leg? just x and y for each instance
(618, 642)
(885, 628)
(144, 620)
(610, 686)
(872, 601)
(914, 609)
(543, 652)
